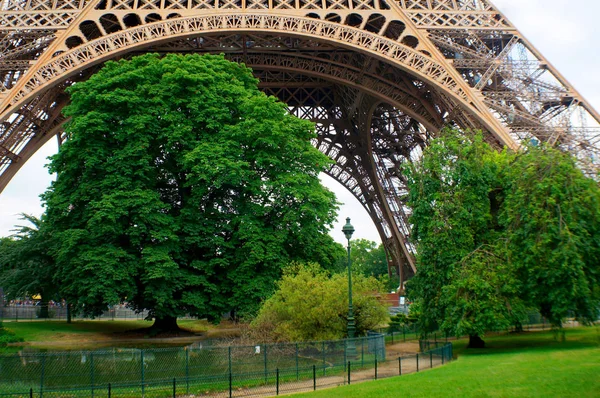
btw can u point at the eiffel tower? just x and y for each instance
(378, 77)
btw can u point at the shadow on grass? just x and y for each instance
(576, 338)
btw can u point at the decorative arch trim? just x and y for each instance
(99, 50)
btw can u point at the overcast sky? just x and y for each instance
(566, 32)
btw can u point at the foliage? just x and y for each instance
(311, 305)
(26, 267)
(499, 232)
(183, 189)
(454, 190)
(368, 258)
(7, 336)
(551, 213)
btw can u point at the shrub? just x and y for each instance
(311, 305)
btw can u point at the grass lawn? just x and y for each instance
(532, 364)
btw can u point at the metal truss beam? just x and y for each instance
(379, 77)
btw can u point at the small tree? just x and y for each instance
(26, 266)
(311, 305)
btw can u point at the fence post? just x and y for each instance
(92, 372)
(266, 363)
(345, 352)
(349, 372)
(323, 353)
(297, 367)
(229, 355)
(42, 376)
(362, 352)
(314, 378)
(187, 371)
(142, 369)
(230, 385)
(174, 388)
(417, 362)
(277, 381)
(109, 390)
(375, 368)
(430, 359)
(400, 366)
(443, 354)
(404, 332)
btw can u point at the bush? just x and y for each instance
(7, 336)
(311, 305)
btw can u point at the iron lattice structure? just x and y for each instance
(379, 78)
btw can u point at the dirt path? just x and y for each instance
(385, 369)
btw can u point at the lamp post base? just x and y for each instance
(351, 349)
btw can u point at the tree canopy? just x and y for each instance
(499, 232)
(310, 305)
(26, 266)
(183, 189)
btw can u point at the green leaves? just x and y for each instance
(195, 185)
(310, 305)
(497, 233)
(552, 218)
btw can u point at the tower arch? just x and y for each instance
(378, 77)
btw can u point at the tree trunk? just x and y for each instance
(44, 314)
(518, 327)
(165, 324)
(476, 342)
(68, 312)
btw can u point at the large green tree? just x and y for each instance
(183, 189)
(497, 233)
(454, 193)
(551, 213)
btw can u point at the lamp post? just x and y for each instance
(348, 230)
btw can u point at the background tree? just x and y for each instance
(369, 259)
(551, 213)
(311, 305)
(183, 189)
(497, 233)
(460, 286)
(26, 266)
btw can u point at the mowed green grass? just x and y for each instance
(533, 364)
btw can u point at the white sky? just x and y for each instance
(567, 33)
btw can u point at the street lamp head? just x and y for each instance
(348, 229)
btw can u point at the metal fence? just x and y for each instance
(411, 332)
(195, 370)
(16, 313)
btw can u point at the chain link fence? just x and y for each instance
(411, 332)
(16, 313)
(197, 370)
